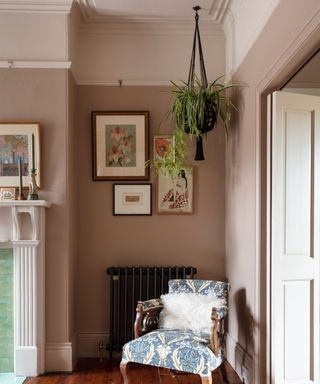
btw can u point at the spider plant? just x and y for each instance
(197, 108)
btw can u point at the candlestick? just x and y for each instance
(20, 195)
(20, 175)
(33, 158)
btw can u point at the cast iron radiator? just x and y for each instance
(129, 285)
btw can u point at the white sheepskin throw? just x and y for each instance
(188, 311)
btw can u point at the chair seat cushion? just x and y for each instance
(173, 349)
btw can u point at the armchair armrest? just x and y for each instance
(147, 316)
(217, 329)
(222, 312)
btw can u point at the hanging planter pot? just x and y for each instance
(199, 121)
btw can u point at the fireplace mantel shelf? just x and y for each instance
(25, 203)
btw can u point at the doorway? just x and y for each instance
(293, 213)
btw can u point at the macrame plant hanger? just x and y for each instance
(203, 76)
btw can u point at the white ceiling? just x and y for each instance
(180, 10)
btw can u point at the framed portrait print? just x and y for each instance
(132, 199)
(19, 141)
(162, 146)
(175, 196)
(120, 145)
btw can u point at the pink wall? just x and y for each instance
(41, 95)
(105, 240)
(283, 45)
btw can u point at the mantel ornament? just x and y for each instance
(33, 187)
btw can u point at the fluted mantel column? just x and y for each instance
(27, 232)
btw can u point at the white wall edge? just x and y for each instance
(58, 357)
(88, 343)
(35, 64)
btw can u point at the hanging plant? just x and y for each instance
(197, 105)
(196, 109)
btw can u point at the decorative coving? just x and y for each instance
(95, 22)
(219, 10)
(36, 6)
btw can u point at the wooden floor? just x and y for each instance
(91, 371)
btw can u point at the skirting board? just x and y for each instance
(88, 343)
(58, 357)
(240, 360)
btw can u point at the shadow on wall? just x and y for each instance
(245, 346)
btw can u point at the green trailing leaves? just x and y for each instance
(193, 108)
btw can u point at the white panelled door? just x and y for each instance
(295, 229)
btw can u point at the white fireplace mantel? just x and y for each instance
(22, 227)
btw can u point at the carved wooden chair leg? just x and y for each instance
(206, 379)
(124, 372)
(223, 374)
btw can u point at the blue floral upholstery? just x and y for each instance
(173, 349)
(219, 289)
(180, 350)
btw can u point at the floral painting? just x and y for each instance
(13, 147)
(162, 146)
(121, 145)
(176, 196)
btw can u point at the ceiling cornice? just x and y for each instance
(89, 13)
(219, 10)
(36, 6)
(98, 23)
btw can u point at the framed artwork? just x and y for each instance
(19, 141)
(162, 145)
(132, 199)
(176, 196)
(7, 194)
(120, 145)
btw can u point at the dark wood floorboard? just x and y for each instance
(91, 371)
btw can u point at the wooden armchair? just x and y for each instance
(167, 348)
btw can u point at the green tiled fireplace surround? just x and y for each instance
(6, 310)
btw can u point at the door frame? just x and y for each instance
(292, 60)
